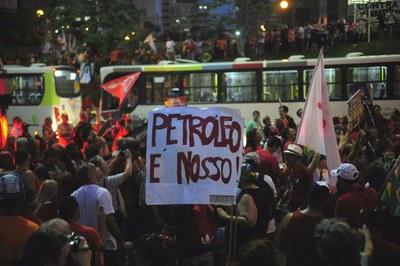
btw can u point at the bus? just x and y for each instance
(40, 91)
(261, 85)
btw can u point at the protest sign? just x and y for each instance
(193, 156)
(356, 107)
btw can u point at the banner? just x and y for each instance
(356, 107)
(193, 156)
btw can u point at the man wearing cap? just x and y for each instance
(353, 197)
(14, 229)
(299, 177)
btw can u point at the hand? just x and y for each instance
(222, 213)
(365, 231)
(128, 154)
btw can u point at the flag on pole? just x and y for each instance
(316, 129)
(120, 87)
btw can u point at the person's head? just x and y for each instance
(46, 247)
(347, 175)
(337, 244)
(322, 162)
(299, 112)
(83, 116)
(248, 175)
(289, 134)
(283, 110)
(64, 118)
(91, 151)
(17, 122)
(375, 175)
(47, 121)
(257, 253)
(69, 209)
(267, 121)
(293, 155)
(317, 197)
(274, 144)
(74, 152)
(48, 191)
(6, 161)
(22, 158)
(53, 155)
(89, 174)
(99, 162)
(256, 115)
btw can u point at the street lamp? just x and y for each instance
(127, 38)
(284, 4)
(39, 13)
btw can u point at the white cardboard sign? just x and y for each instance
(193, 156)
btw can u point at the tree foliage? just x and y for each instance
(99, 24)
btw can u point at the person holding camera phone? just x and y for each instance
(112, 182)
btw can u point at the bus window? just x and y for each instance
(333, 80)
(26, 89)
(158, 86)
(375, 75)
(282, 83)
(240, 86)
(200, 87)
(396, 91)
(67, 83)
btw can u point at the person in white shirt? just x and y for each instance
(170, 49)
(96, 208)
(112, 182)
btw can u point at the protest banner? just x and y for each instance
(356, 107)
(193, 156)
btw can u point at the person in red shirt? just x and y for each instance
(297, 229)
(353, 197)
(69, 211)
(268, 164)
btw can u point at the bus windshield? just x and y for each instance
(67, 83)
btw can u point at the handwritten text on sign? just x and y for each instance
(192, 154)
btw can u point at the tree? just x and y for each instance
(101, 25)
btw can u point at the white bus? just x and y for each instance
(258, 85)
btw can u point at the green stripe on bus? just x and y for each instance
(191, 67)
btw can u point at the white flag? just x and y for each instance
(316, 129)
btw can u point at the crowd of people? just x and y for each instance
(272, 41)
(75, 196)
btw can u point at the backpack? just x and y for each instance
(202, 226)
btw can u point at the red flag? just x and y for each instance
(316, 129)
(120, 87)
